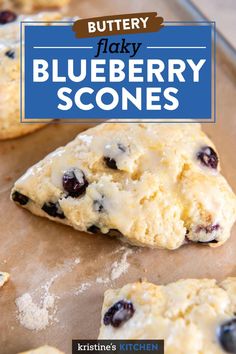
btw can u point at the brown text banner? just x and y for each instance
(118, 24)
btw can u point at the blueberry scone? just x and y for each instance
(3, 278)
(30, 5)
(156, 185)
(43, 350)
(10, 126)
(192, 316)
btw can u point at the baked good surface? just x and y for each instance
(30, 5)
(43, 350)
(10, 125)
(156, 185)
(3, 278)
(192, 316)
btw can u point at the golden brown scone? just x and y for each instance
(13, 131)
(159, 185)
(10, 125)
(30, 5)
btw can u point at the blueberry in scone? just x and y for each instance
(53, 209)
(227, 335)
(192, 316)
(119, 313)
(74, 182)
(20, 198)
(10, 126)
(7, 16)
(157, 185)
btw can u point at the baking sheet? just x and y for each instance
(224, 19)
(44, 257)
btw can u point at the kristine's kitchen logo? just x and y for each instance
(118, 346)
(128, 66)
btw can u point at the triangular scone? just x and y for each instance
(3, 278)
(43, 350)
(158, 185)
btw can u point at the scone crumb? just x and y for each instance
(3, 278)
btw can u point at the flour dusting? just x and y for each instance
(120, 267)
(32, 316)
(83, 287)
(37, 317)
(101, 280)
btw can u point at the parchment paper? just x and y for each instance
(34, 250)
